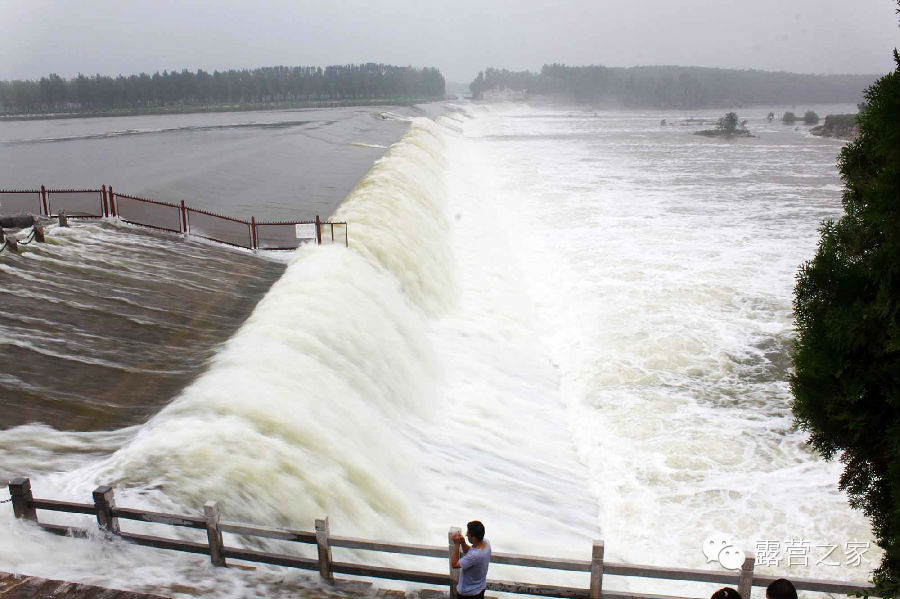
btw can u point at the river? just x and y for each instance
(573, 325)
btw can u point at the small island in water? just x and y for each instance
(728, 126)
(841, 126)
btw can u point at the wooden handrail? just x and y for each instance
(299, 536)
(392, 573)
(64, 506)
(25, 506)
(637, 570)
(159, 518)
(403, 548)
(276, 559)
(164, 543)
(532, 561)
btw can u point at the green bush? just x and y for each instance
(729, 123)
(789, 118)
(840, 121)
(810, 118)
(846, 380)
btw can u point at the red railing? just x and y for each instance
(176, 218)
(149, 213)
(77, 203)
(333, 233)
(13, 201)
(217, 227)
(285, 235)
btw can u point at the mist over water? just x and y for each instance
(569, 326)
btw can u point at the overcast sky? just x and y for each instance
(460, 37)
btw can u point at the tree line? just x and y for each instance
(254, 86)
(672, 86)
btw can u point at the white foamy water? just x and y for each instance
(661, 266)
(571, 327)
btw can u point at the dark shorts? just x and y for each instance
(478, 596)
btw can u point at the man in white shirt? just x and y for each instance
(473, 563)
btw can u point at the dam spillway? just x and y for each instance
(554, 309)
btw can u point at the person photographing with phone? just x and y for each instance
(472, 561)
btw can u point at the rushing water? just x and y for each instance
(571, 325)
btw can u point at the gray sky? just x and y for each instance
(460, 37)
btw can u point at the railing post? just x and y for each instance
(454, 572)
(318, 231)
(253, 242)
(112, 202)
(326, 570)
(746, 581)
(105, 201)
(105, 501)
(184, 220)
(22, 499)
(597, 570)
(44, 203)
(214, 533)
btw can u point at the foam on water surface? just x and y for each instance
(662, 281)
(569, 327)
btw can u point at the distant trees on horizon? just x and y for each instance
(673, 86)
(253, 86)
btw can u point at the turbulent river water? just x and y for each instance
(571, 325)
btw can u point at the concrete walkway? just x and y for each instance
(18, 586)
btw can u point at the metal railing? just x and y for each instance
(104, 202)
(108, 516)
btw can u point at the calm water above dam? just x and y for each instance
(570, 325)
(275, 165)
(103, 326)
